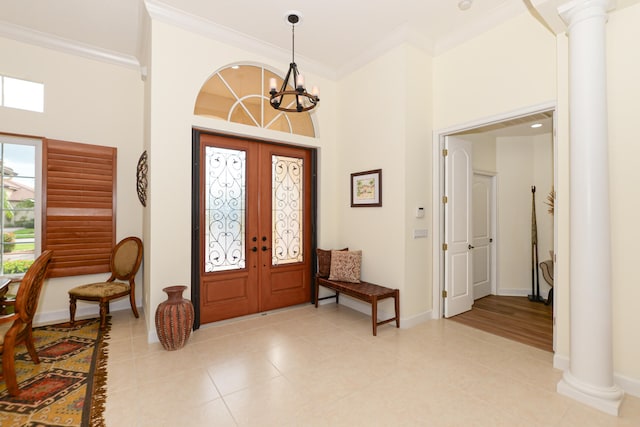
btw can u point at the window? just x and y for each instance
(21, 94)
(56, 195)
(19, 161)
(240, 94)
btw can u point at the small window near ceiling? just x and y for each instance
(240, 94)
(22, 94)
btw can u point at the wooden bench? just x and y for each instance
(367, 292)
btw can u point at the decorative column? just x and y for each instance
(589, 378)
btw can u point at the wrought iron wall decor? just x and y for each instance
(366, 188)
(141, 178)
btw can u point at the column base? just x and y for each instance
(606, 399)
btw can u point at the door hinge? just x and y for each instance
(444, 293)
(445, 199)
(445, 246)
(445, 152)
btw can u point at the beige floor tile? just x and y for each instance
(322, 367)
(242, 372)
(274, 402)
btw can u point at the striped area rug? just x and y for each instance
(68, 387)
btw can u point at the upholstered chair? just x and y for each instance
(547, 273)
(125, 262)
(17, 328)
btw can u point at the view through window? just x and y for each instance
(19, 158)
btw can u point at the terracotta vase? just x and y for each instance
(174, 319)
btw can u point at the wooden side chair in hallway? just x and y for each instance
(125, 262)
(547, 273)
(17, 328)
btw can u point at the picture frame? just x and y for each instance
(366, 189)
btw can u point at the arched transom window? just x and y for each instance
(240, 94)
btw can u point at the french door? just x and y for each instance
(254, 227)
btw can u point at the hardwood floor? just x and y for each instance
(515, 318)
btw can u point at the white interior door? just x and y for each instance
(458, 227)
(483, 209)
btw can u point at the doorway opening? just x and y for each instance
(484, 180)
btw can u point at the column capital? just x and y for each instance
(576, 11)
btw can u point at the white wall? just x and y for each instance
(389, 130)
(178, 69)
(623, 33)
(89, 102)
(484, 152)
(509, 67)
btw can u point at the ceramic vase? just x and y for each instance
(174, 319)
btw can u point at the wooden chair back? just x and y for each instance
(29, 290)
(126, 259)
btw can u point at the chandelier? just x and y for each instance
(296, 99)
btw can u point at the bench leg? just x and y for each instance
(396, 299)
(374, 315)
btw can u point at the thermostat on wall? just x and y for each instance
(419, 212)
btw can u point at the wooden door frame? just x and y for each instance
(195, 211)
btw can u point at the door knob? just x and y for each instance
(254, 249)
(254, 239)
(264, 238)
(471, 247)
(264, 249)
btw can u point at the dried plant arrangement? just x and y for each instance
(551, 197)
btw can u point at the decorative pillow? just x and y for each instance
(345, 266)
(324, 261)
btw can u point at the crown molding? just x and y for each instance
(195, 24)
(50, 41)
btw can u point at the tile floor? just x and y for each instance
(322, 367)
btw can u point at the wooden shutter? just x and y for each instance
(78, 220)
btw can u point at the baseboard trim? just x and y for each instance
(629, 385)
(513, 292)
(82, 312)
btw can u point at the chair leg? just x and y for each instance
(72, 309)
(132, 300)
(31, 346)
(9, 370)
(104, 308)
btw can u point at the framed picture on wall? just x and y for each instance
(366, 189)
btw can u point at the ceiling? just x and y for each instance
(333, 33)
